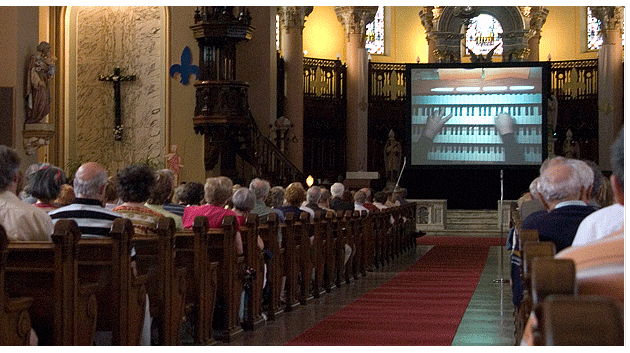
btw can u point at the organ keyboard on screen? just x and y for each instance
(470, 134)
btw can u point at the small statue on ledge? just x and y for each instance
(393, 152)
(41, 69)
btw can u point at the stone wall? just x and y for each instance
(132, 38)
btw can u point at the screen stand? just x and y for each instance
(501, 280)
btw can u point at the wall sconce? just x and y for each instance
(305, 52)
(309, 181)
(418, 59)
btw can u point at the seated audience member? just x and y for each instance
(313, 194)
(380, 198)
(337, 202)
(261, 189)
(391, 199)
(400, 195)
(217, 192)
(21, 221)
(30, 171)
(66, 196)
(161, 194)
(170, 205)
(324, 200)
(561, 190)
(189, 194)
(368, 199)
(359, 199)
(111, 194)
(605, 196)
(244, 201)
(533, 204)
(599, 264)
(609, 219)
(293, 198)
(276, 200)
(45, 186)
(90, 185)
(134, 185)
(596, 186)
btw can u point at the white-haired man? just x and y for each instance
(561, 189)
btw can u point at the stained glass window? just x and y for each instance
(484, 33)
(375, 33)
(594, 37)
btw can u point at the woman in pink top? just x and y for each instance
(217, 192)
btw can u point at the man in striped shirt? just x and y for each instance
(87, 209)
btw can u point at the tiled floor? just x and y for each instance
(487, 321)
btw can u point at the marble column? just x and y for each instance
(537, 17)
(354, 18)
(610, 79)
(292, 20)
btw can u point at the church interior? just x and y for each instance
(286, 93)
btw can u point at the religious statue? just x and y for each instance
(393, 152)
(571, 147)
(174, 163)
(41, 69)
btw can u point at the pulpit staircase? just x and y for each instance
(267, 160)
(477, 223)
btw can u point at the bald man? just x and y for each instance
(561, 190)
(90, 182)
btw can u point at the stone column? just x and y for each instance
(292, 20)
(610, 79)
(354, 18)
(537, 17)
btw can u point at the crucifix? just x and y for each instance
(117, 78)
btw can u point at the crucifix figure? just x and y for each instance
(117, 78)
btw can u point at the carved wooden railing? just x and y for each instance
(387, 82)
(576, 79)
(268, 160)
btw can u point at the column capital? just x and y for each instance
(354, 18)
(293, 17)
(537, 16)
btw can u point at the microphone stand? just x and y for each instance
(501, 280)
(401, 171)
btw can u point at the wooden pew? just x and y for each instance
(121, 294)
(552, 276)
(367, 230)
(379, 229)
(167, 282)
(356, 234)
(339, 241)
(329, 251)
(222, 249)
(290, 260)
(582, 320)
(318, 252)
(530, 251)
(269, 233)
(254, 260)
(304, 228)
(63, 312)
(15, 321)
(191, 252)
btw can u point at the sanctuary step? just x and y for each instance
(471, 223)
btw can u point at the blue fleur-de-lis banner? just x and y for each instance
(185, 69)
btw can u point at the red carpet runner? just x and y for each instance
(421, 306)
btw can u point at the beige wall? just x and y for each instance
(19, 37)
(182, 105)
